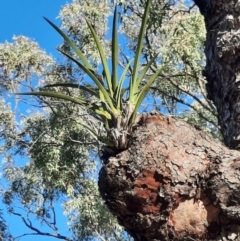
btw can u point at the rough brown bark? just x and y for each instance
(173, 183)
(222, 49)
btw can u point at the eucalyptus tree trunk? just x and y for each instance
(222, 49)
(174, 182)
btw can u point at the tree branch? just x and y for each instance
(37, 231)
(189, 105)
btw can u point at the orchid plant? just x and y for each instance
(116, 112)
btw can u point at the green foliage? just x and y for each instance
(95, 219)
(21, 61)
(115, 112)
(73, 17)
(179, 42)
(61, 165)
(202, 119)
(7, 127)
(4, 231)
(60, 169)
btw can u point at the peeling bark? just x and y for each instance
(173, 183)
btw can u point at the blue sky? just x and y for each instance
(24, 17)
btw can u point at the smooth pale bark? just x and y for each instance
(173, 183)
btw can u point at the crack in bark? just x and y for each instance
(173, 183)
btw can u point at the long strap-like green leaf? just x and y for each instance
(103, 58)
(75, 100)
(144, 92)
(146, 68)
(118, 90)
(114, 51)
(95, 79)
(133, 86)
(72, 45)
(89, 90)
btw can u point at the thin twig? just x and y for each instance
(189, 105)
(189, 93)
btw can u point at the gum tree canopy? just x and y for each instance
(155, 96)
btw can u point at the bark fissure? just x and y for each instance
(222, 49)
(173, 183)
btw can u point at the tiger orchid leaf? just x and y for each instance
(144, 71)
(75, 100)
(113, 103)
(90, 90)
(115, 51)
(71, 44)
(103, 58)
(119, 88)
(95, 79)
(144, 92)
(133, 85)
